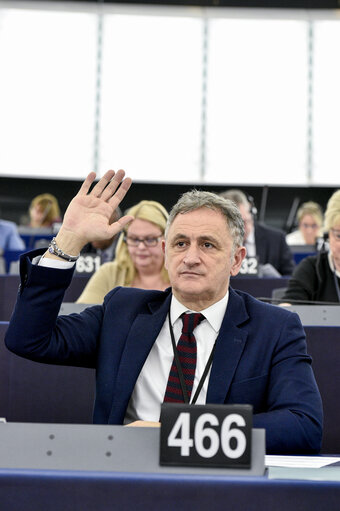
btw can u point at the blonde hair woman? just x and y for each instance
(310, 218)
(44, 211)
(139, 260)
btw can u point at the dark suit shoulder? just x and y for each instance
(134, 298)
(256, 308)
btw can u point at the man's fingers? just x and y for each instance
(113, 185)
(120, 224)
(103, 183)
(106, 188)
(83, 190)
(120, 193)
(144, 424)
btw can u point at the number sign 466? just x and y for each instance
(206, 435)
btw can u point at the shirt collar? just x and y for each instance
(214, 314)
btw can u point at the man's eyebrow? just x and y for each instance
(180, 236)
(201, 238)
(209, 238)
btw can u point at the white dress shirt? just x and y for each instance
(148, 394)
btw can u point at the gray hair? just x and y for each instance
(196, 199)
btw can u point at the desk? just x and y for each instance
(317, 315)
(258, 287)
(29, 490)
(301, 251)
(28, 389)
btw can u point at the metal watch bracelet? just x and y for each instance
(54, 249)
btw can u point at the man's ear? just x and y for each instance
(240, 254)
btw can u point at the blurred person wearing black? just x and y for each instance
(266, 243)
(317, 277)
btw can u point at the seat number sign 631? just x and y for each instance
(206, 435)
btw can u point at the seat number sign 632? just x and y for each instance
(206, 435)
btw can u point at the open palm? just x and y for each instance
(88, 214)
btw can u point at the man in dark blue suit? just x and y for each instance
(259, 350)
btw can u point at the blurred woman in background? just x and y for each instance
(310, 218)
(44, 211)
(139, 260)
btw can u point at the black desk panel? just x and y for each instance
(258, 287)
(9, 285)
(323, 344)
(34, 392)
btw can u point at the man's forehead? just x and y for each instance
(199, 221)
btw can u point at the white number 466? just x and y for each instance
(180, 435)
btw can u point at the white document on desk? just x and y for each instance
(300, 461)
(315, 468)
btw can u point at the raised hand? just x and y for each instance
(87, 217)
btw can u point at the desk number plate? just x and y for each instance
(249, 267)
(206, 435)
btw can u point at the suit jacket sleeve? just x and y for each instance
(293, 420)
(38, 333)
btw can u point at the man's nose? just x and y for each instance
(192, 255)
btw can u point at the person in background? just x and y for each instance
(310, 219)
(317, 278)
(105, 248)
(139, 260)
(266, 243)
(44, 211)
(241, 350)
(9, 237)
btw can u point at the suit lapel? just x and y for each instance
(229, 347)
(142, 335)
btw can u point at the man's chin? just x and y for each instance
(190, 290)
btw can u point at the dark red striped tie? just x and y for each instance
(187, 352)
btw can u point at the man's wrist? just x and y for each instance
(65, 246)
(57, 251)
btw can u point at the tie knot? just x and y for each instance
(191, 321)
